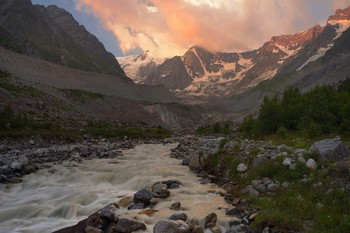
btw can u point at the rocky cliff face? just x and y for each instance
(52, 34)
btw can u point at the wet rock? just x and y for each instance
(137, 206)
(197, 229)
(242, 168)
(330, 150)
(78, 228)
(143, 196)
(195, 161)
(96, 220)
(232, 211)
(210, 220)
(185, 162)
(167, 226)
(159, 188)
(175, 206)
(181, 216)
(127, 225)
(90, 229)
(172, 184)
(311, 164)
(112, 228)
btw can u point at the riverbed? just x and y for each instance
(61, 195)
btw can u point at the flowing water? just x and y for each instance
(60, 196)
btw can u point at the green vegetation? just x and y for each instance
(323, 110)
(110, 130)
(305, 208)
(214, 129)
(314, 201)
(82, 96)
(23, 124)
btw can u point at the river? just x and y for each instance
(62, 195)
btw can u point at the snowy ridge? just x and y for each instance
(341, 26)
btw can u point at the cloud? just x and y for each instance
(170, 27)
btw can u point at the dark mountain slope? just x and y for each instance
(52, 34)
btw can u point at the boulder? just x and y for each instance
(210, 220)
(330, 150)
(195, 161)
(311, 164)
(242, 168)
(167, 226)
(127, 225)
(143, 196)
(181, 216)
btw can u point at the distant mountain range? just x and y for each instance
(200, 72)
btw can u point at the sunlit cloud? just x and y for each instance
(170, 27)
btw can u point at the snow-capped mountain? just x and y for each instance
(200, 72)
(137, 67)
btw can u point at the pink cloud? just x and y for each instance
(170, 27)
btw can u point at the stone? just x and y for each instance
(261, 188)
(137, 206)
(272, 187)
(143, 196)
(301, 159)
(90, 229)
(242, 168)
(16, 165)
(96, 220)
(195, 161)
(330, 150)
(127, 225)
(125, 201)
(172, 183)
(210, 220)
(78, 228)
(285, 184)
(167, 226)
(175, 206)
(266, 230)
(287, 162)
(232, 211)
(159, 187)
(181, 216)
(31, 142)
(198, 229)
(254, 193)
(185, 162)
(311, 164)
(259, 161)
(112, 228)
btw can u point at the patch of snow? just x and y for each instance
(343, 26)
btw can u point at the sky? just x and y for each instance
(170, 27)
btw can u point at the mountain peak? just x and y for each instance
(341, 16)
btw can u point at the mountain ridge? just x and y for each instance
(218, 74)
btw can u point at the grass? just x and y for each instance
(82, 96)
(305, 208)
(109, 130)
(315, 200)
